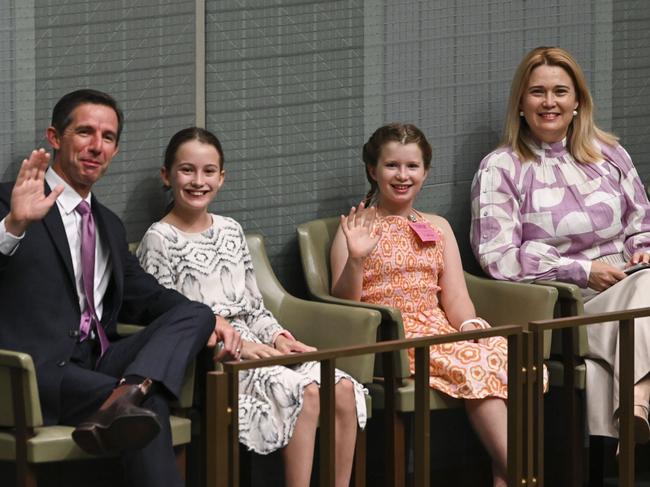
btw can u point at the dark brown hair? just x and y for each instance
(62, 112)
(191, 133)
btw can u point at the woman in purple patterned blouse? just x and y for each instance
(560, 199)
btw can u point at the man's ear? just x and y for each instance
(53, 138)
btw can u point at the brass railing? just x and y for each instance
(626, 385)
(222, 404)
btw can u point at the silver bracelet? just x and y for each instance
(477, 321)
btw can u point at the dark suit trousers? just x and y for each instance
(161, 352)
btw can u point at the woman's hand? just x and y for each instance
(284, 346)
(251, 350)
(638, 257)
(361, 232)
(603, 276)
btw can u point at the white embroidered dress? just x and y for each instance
(215, 268)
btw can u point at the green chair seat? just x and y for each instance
(55, 444)
(556, 374)
(405, 397)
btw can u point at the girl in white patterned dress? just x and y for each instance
(205, 257)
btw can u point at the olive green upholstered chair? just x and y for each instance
(27, 442)
(321, 325)
(499, 302)
(317, 324)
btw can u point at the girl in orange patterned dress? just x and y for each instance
(386, 252)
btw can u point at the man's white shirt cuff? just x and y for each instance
(8, 242)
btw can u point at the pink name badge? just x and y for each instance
(425, 233)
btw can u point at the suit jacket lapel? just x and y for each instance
(54, 225)
(108, 235)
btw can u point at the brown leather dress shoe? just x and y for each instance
(120, 423)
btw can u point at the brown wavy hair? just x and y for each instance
(404, 133)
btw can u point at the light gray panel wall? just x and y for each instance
(631, 81)
(7, 85)
(295, 87)
(142, 53)
(285, 96)
(17, 93)
(448, 67)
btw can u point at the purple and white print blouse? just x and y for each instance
(547, 219)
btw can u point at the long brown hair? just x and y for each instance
(583, 132)
(404, 133)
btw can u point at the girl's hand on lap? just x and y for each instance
(251, 350)
(284, 346)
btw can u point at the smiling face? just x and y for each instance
(548, 103)
(85, 148)
(195, 176)
(399, 174)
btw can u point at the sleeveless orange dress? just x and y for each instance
(403, 272)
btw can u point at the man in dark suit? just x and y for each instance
(62, 308)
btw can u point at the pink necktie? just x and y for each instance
(89, 317)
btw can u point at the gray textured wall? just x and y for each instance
(294, 87)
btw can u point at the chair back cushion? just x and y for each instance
(315, 240)
(24, 366)
(271, 289)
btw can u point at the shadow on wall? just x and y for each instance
(470, 152)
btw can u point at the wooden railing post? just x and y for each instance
(422, 431)
(217, 422)
(626, 403)
(515, 410)
(537, 412)
(233, 430)
(327, 431)
(393, 425)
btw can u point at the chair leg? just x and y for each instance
(181, 461)
(574, 459)
(596, 461)
(395, 451)
(26, 475)
(359, 468)
(573, 466)
(245, 467)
